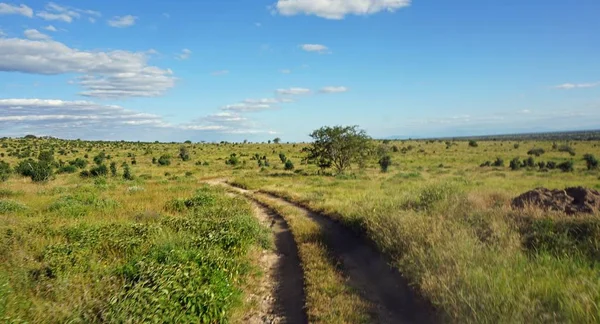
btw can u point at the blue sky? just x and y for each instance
(234, 70)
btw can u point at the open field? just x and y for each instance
(162, 245)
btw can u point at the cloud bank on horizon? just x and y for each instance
(395, 67)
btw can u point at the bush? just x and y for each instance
(530, 162)
(233, 160)
(536, 151)
(67, 169)
(385, 162)
(164, 160)
(79, 163)
(516, 146)
(4, 171)
(289, 165)
(99, 159)
(282, 157)
(113, 169)
(567, 148)
(566, 166)
(591, 161)
(473, 143)
(515, 164)
(127, 173)
(551, 165)
(99, 171)
(37, 171)
(184, 154)
(498, 163)
(485, 164)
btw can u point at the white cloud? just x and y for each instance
(293, 91)
(66, 13)
(92, 20)
(258, 24)
(50, 28)
(337, 9)
(221, 72)
(111, 74)
(2, 33)
(185, 54)
(34, 34)
(315, 48)
(333, 89)
(285, 71)
(122, 21)
(254, 105)
(55, 16)
(569, 86)
(166, 15)
(9, 9)
(87, 119)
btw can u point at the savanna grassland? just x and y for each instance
(147, 240)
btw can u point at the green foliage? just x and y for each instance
(473, 143)
(164, 160)
(5, 171)
(67, 169)
(97, 171)
(184, 153)
(81, 204)
(38, 171)
(566, 166)
(289, 165)
(282, 157)
(232, 160)
(567, 148)
(127, 173)
(113, 169)
(100, 158)
(276, 140)
(529, 162)
(499, 162)
(536, 151)
(515, 164)
(46, 156)
(385, 162)
(590, 160)
(79, 163)
(339, 146)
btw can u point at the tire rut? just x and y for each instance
(369, 272)
(289, 298)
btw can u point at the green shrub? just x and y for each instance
(536, 151)
(67, 169)
(164, 160)
(99, 159)
(38, 171)
(515, 164)
(5, 171)
(566, 166)
(551, 165)
(591, 161)
(498, 163)
(184, 154)
(568, 149)
(113, 169)
(473, 143)
(79, 163)
(385, 162)
(289, 165)
(233, 160)
(127, 173)
(282, 157)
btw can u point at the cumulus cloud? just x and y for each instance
(50, 28)
(569, 86)
(333, 89)
(122, 21)
(104, 74)
(35, 35)
(10, 9)
(315, 48)
(337, 9)
(255, 105)
(185, 54)
(74, 119)
(293, 91)
(221, 72)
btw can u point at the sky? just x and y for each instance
(233, 70)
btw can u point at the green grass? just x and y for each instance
(445, 222)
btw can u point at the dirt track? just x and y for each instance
(367, 269)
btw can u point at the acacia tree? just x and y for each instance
(339, 146)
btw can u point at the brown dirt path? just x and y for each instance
(367, 269)
(281, 293)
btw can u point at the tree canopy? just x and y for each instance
(339, 146)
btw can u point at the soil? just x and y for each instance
(571, 201)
